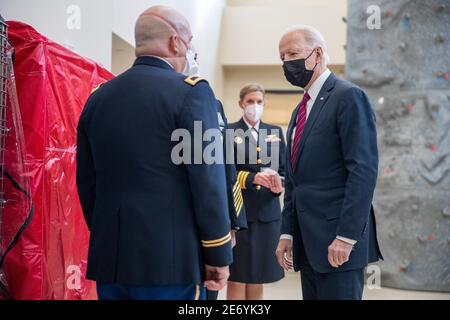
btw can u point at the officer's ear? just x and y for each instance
(174, 45)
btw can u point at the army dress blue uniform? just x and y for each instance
(254, 253)
(154, 224)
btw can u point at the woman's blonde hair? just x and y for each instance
(249, 88)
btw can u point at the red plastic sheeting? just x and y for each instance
(53, 83)
(16, 206)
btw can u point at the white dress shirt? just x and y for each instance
(256, 126)
(313, 93)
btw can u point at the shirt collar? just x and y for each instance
(318, 84)
(256, 126)
(149, 55)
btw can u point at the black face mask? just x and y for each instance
(296, 73)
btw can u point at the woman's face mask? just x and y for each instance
(254, 111)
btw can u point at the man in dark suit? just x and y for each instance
(159, 230)
(331, 171)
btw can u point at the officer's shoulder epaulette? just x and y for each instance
(96, 88)
(193, 80)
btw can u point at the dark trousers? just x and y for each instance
(347, 285)
(211, 295)
(125, 292)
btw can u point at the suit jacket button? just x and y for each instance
(259, 161)
(258, 187)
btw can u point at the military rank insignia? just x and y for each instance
(193, 80)
(96, 88)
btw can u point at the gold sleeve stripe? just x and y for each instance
(236, 190)
(236, 187)
(238, 198)
(240, 180)
(218, 244)
(238, 203)
(197, 292)
(242, 177)
(216, 240)
(239, 210)
(237, 195)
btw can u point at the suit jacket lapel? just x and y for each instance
(315, 111)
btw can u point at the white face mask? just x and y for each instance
(191, 68)
(254, 112)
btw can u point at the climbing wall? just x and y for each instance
(405, 67)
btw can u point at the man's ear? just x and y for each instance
(174, 45)
(241, 104)
(319, 55)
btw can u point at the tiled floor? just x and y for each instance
(289, 289)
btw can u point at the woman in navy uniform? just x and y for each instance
(259, 151)
(236, 207)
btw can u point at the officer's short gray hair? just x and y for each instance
(313, 38)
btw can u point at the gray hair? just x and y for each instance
(313, 38)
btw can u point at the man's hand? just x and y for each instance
(339, 252)
(262, 179)
(216, 277)
(284, 254)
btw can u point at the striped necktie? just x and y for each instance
(299, 127)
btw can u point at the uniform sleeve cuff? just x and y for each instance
(218, 252)
(242, 179)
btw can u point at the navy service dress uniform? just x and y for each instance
(235, 200)
(154, 223)
(254, 253)
(236, 206)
